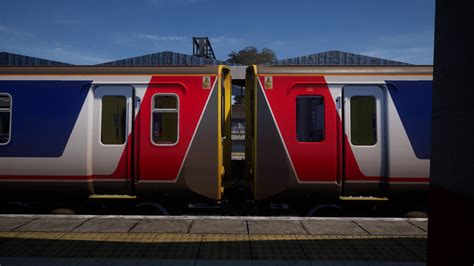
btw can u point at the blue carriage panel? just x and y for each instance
(413, 102)
(43, 116)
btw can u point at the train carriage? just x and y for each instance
(313, 133)
(114, 131)
(341, 132)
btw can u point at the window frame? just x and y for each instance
(126, 120)
(166, 110)
(324, 118)
(11, 116)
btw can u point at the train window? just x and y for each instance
(164, 121)
(5, 118)
(363, 120)
(310, 118)
(113, 127)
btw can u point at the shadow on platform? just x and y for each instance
(144, 248)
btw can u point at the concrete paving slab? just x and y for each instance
(39, 261)
(123, 245)
(225, 247)
(73, 245)
(177, 262)
(10, 223)
(276, 248)
(174, 247)
(113, 262)
(214, 226)
(107, 225)
(27, 244)
(399, 228)
(224, 262)
(341, 263)
(322, 227)
(51, 225)
(392, 263)
(380, 249)
(159, 262)
(327, 248)
(162, 226)
(416, 246)
(275, 227)
(423, 225)
(7, 236)
(281, 263)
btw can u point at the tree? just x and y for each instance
(251, 56)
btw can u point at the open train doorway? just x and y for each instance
(238, 125)
(235, 184)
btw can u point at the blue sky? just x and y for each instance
(95, 31)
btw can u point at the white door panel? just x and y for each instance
(106, 156)
(364, 117)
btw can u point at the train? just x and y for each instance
(313, 133)
(347, 133)
(114, 132)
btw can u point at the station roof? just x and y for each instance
(168, 58)
(345, 69)
(165, 58)
(11, 59)
(110, 70)
(337, 58)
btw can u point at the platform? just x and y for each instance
(198, 240)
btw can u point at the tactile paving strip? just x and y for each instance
(131, 237)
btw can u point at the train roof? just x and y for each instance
(362, 70)
(112, 70)
(213, 69)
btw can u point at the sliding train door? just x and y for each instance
(111, 147)
(364, 146)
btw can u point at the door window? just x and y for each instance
(363, 120)
(113, 123)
